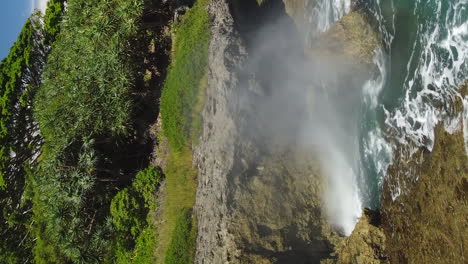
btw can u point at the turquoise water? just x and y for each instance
(425, 61)
(421, 65)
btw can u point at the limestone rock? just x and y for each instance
(365, 245)
(427, 222)
(351, 39)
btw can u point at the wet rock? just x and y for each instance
(257, 201)
(365, 245)
(259, 194)
(424, 203)
(351, 39)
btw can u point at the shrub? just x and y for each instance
(128, 212)
(145, 246)
(136, 240)
(145, 184)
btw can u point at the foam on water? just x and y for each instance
(329, 11)
(440, 71)
(324, 13)
(436, 69)
(373, 87)
(377, 152)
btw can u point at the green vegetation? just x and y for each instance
(20, 77)
(73, 89)
(127, 212)
(181, 106)
(181, 248)
(52, 18)
(179, 98)
(84, 109)
(180, 190)
(130, 211)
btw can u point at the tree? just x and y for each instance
(20, 77)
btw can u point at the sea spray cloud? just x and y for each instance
(333, 134)
(341, 194)
(306, 102)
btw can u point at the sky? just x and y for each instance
(13, 14)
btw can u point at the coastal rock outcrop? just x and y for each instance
(259, 197)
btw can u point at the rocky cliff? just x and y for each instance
(257, 202)
(259, 195)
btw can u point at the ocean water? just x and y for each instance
(424, 62)
(421, 66)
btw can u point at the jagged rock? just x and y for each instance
(427, 222)
(351, 39)
(259, 194)
(256, 202)
(296, 10)
(365, 245)
(214, 157)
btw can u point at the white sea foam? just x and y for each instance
(435, 71)
(373, 87)
(324, 13)
(441, 69)
(329, 11)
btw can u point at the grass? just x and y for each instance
(197, 119)
(182, 102)
(180, 190)
(181, 248)
(182, 86)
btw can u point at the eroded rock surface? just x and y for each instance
(366, 245)
(215, 154)
(259, 196)
(257, 201)
(350, 39)
(428, 221)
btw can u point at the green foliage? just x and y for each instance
(145, 184)
(84, 110)
(90, 70)
(145, 246)
(20, 76)
(143, 253)
(2, 183)
(130, 206)
(11, 72)
(182, 85)
(130, 210)
(52, 19)
(182, 246)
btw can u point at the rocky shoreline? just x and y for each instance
(259, 202)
